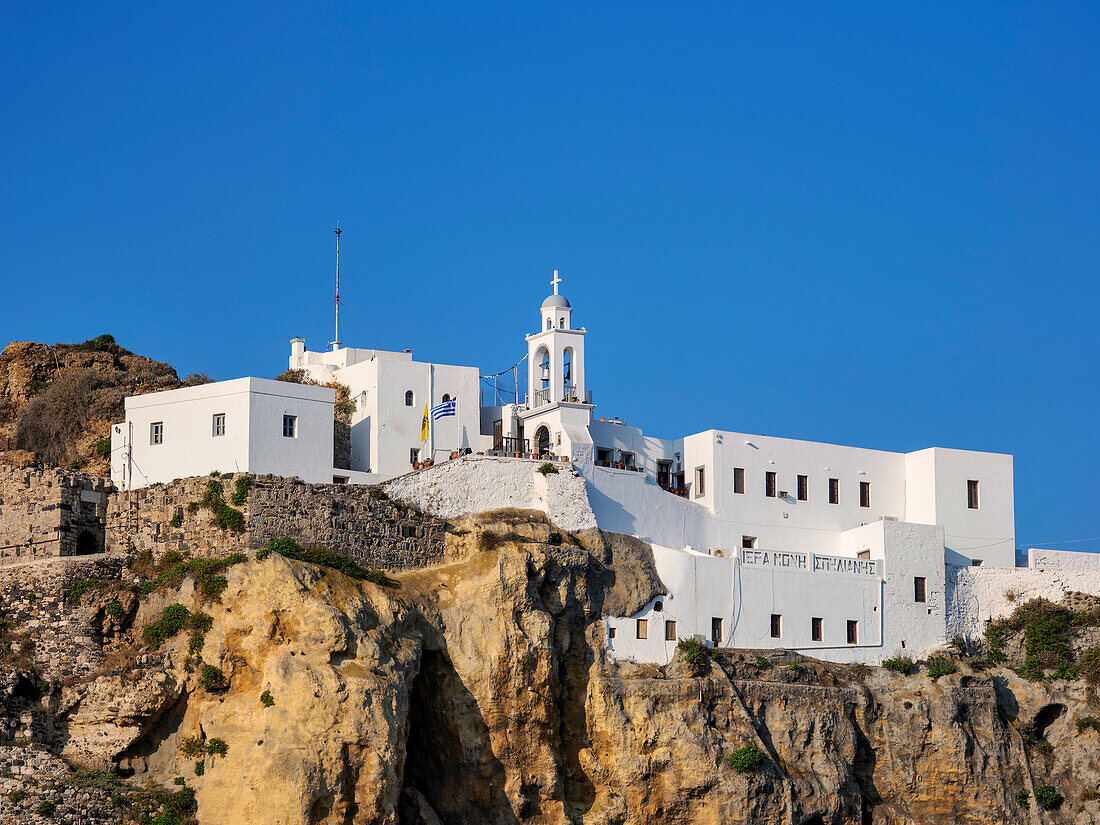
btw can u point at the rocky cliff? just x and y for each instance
(285, 692)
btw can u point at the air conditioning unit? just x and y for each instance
(714, 551)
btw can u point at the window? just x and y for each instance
(918, 588)
(603, 455)
(865, 494)
(863, 554)
(156, 433)
(611, 633)
(802, 482)
(700, 478)
(972, 494)
(853, 632)
(769, 485)
(446, 397)
(834, 491)
(748, 542)
(777, 626)
(549, 323)
(670, 631)
(815, 629)
(409, 398)
(739, 480)
(218, 427)
(561, 323)
(290, 426)
(414, 455)
(643, 629)
(716, 630)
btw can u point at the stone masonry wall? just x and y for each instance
(49, 513)
(353, 520)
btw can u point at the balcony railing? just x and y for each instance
(540, 397)
(676, 489)
(507, 444)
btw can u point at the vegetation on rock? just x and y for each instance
(289, 548)
(899, 664)
(745, 759)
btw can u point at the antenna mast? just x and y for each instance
(336, 343)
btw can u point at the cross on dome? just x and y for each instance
(556, 281)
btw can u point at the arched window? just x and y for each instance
(446, 397)
(568, 390)
(549, 323)
(561, 323)
(408, 398)
(542, 394)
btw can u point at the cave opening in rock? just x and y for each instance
(1045, 718)
(450, 766)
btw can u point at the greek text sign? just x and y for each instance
(809, 562)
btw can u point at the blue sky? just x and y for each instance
(856, 223)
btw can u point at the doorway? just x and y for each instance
(542, 440)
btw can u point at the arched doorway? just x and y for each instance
(542, 440)
(87, 543)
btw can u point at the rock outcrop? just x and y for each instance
(478, 691)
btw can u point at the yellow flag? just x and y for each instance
(424, 424)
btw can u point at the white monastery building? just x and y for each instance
(842, 553)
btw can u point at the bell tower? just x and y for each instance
(555, 355)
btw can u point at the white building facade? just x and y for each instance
(844, 553)
(252, 425)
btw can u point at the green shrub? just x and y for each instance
(212, 679)
(45, 808)
(191, 747)
(995, 636)
(201, 622)
(1022, 799)
(217, 747)
(1087, 723)
(172, 620)
(377, 493)
(114, 609)
(200, 768)
(179, 780)
(794, 667)
(266, 699)
(745, 759)
(1048, 798)
(1089, 665)
(224, 516)
(940, 665)
(78, 588)
(240, 489)
(899, 664)
(761, 661)
(17, 796)
(103, 447)
(176, 520)
(195, 645)
(289, 548)
(959, 643)
(692, 652)
(547, 469)
(1044, 747)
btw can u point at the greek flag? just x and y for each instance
(445, 409)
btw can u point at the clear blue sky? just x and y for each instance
(857, 223)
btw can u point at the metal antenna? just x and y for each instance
(336, 343)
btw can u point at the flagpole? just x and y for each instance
(431, 418)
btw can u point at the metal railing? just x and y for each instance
(508, 444)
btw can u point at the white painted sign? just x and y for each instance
(809, 561)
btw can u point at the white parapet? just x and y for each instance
(475, 484)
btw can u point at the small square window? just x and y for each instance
(716, 630)
(777, 626)
(815, 629)
(218, 425)
(853, 632)
(865, 494)
(972, 494)
(739, 480)
(748, 542)
(643, 629)
(863, 554)
(769, 484)
(670, 631)
(414, 455)
(919, 585)
(611, 632)
(290, 426)
(834, 491)
(803, 481)
(156, 433)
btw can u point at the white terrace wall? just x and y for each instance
(983, 593)
(473, 484)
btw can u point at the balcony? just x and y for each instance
(508, 444)
(670, 487)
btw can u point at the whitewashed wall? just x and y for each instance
(1039, 559)
(474, 484)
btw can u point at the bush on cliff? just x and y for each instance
(289, 548)
(173, 619)
(899, 664)
(745, 759)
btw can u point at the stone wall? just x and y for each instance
(350, 519)
(48, 513)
